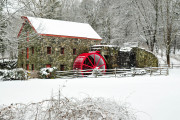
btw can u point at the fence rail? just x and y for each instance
(171, 65)
(153, 71)
(94, 73)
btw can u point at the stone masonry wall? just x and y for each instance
(145, 58)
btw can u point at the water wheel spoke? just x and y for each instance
(101, 65)
(90, 61)
(103, 71)
(87, 66)
(94, 60)
(98, 60)
(89, 71)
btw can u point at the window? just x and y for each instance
(32, 49)
(74, 51)
(32, 67)
(27, 36)
(27, 66)
(48, 65)
(62, 50)
(62, 67)
(48, 50)
(27, 53)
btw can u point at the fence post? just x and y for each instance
(133, 71)
(115, 72)
(76, 73)
(160, 70)
(150, 71)
(167, 73)
(96, 73)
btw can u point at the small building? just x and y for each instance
(126, 57)
(53, 43)
(136, 57)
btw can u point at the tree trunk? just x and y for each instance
(169, 31)
(156, 24)
(174, 52)
(168, 48)
(168, 59)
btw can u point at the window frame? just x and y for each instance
(62, 67)
(32, 50)
(27, 53)
(48, 65)
(49, 50)
(74, 51)
(27, 66)
(62, 51)
(27, 34)
(32, 66)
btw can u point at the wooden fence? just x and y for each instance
(94, 73)
(154, 71)
(171, 65)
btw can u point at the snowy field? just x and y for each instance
(152, 98)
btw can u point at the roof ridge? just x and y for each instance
(58, 20)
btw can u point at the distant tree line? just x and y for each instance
(154, 23)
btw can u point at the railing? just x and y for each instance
(117, 73)
(171, 65)
(153, 71)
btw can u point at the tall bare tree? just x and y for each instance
(2, 29)
(148, 18)
(170, 15)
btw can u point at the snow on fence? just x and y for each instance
(117, 73)
(171, 65)
(153, 71)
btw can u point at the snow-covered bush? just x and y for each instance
(68, 109)
(47, 72)
(8, 64)
(15, 74)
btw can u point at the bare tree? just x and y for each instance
(148, 18)
(2, 27)
(41, 8)
(158, 21)
(170, 22)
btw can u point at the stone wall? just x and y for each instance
(136, 57)
(145, 58)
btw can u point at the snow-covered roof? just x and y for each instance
(131, 44)
(104, 46)
(58, 28)
(125, 49)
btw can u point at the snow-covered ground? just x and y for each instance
(153, 98)
(175, 58)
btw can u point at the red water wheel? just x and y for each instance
(89, 61)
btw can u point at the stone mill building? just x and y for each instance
(53, 43)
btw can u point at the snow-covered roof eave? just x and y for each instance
(69, 36)
(105, 46)
(58, 28)
(125, 49)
